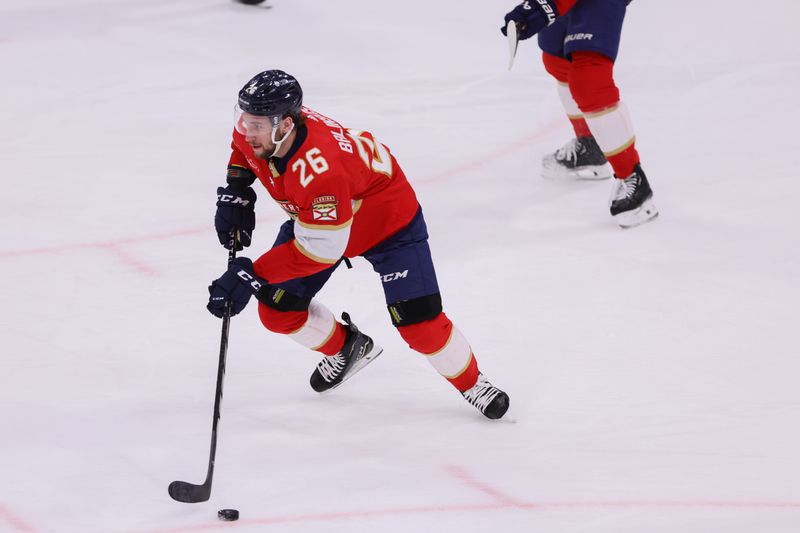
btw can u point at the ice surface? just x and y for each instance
(653, 372)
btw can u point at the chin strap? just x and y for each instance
(279, 143)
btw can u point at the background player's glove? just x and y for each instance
(236, 286)
(235, 211)
(531, 17)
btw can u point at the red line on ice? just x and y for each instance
(14, 521)
(462, 475)
(141, 267)
(442, 509)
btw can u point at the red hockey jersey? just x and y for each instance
(343, 188)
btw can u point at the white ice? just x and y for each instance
(653, 372)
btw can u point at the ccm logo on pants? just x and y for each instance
(391, 277)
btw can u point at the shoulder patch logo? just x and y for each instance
(323, 208)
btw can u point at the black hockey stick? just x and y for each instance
(183, 491)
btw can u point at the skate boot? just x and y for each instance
(489, 400)
(357, 352)
(581, 158)
(632, 200)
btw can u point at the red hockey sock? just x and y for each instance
(624, 161)
(336, 342)
(580, 126)
(558, 67)
(290, 322)
(591, 82)
(445, 348)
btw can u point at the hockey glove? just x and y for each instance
(235, 286)
(531, 17)
(235, 211)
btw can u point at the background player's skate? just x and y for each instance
(581, 158)
(631, 200)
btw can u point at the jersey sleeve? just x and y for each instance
(321, 231)
(237, 157)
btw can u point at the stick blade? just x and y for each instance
(182, 491)
(513, 42)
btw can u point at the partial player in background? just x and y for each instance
(579, 40)
(345, 196)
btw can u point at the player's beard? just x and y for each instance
(267, 149)
(264, 151)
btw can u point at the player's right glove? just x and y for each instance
(235, 211)
(531, 17)
(235, 286)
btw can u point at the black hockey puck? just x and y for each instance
(251, 2)
(228, 515)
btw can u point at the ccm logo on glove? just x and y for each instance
(233, 199)
(254, 283)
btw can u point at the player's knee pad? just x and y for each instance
(416, 310)
(281, 311)
(281, 321)
(280, 300)
(591, 81)
(558, 67)
(429, 336)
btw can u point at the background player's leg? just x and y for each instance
(592, 44)
(581, 157)
(593, 88)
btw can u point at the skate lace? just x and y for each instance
(331, 366)
(568, 152)
(481, 394)
(626, 188)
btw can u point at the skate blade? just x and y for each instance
(636, 217)
(358, 365)
(554, 171)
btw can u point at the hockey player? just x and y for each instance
(579, 40)
(345, 196)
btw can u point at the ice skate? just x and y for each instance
(632, 200)
(581, 158)
(488, 399)
(358, 351)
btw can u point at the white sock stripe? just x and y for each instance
(612, 128)
(451, 360)
(570, 106)
(318, 327)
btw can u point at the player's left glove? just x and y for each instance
(235, 212)
(236, 286)
(531, 17)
